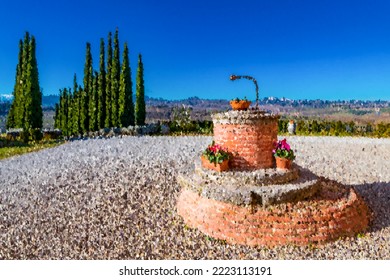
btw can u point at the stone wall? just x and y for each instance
(249, 136)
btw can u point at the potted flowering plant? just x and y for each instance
(240, 104)
(283, 154)
(216, 158)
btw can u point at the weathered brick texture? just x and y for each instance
(250, 144)
(301, 223)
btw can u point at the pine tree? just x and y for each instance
(108, 120)
(101, 87)
(88, 72)
(140, 110)
(115, 80)
(126, 105)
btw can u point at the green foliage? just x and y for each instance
(26, 108)
(87, 92)
(140, 107)
(238, 99)
(126, 105)
(106, 99)
(336, 128)
(216, 154)
(181, 118)
(108, 120)
(115, 80)
(12, 148)
(101, 87)
(36, 94)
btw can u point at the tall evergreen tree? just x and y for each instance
(88, 72)
(102, 87)
(64, 111)
(126, 105)
(36, 94)
(26, 109)
(108, 120)
(16, 93)
(60, 120)
(94, 104)
(27, 88)
(140, 108)
(76, 104)
(115, 80)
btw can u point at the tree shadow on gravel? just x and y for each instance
(377, 197)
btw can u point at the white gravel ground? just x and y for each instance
(115, 199)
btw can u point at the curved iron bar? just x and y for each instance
(236, 77)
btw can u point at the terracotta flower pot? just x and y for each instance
(240, 105)
(223, 166)
(283, 163)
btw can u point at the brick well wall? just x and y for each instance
(251, 144)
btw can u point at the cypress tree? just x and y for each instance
(140, 110)
(126, 105)
(101, 87)
(64, 108)
(76, 125)
(108, 120)
(16, 93)
(60, 110)
(36, 94)
(83, 111)
(23, 99)
(88, 72)
(27, 90)
(91, 107)
(26, 109)
(115, 80)
(70, 112)
(94, 104)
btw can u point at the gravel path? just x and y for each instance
(115, 199)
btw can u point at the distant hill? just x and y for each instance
(159, 109)
(47, 100)
(50, 100)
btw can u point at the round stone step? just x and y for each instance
(218, 187)
(335, 211)
(259, 177)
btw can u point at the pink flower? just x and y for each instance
(285, 145)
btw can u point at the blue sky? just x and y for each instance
(295, 49)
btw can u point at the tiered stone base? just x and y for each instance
(334, 211)
(256, 204)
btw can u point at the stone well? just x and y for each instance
(256, 204)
